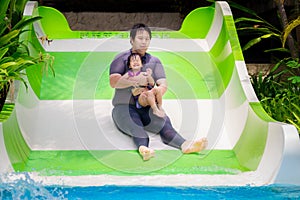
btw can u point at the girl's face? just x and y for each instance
(141, 42)
(135, 62)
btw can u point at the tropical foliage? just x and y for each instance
(263, 30)
(14, 54)
(278, 91)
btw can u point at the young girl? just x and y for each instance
(145, 94)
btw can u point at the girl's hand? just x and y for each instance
(149, 71)
(135, 84)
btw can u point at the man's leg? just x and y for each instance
(164, 127)
(128, 121)
(171, 137)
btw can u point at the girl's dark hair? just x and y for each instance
(138, 27)
(132, 55)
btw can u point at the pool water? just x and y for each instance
(179, 193)
(26, 188)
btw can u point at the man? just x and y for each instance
(135, 121)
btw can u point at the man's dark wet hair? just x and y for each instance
(138, 27)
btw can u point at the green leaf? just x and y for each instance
(20, 5)
(245, 19)
(287, 30)
(4, 72)
(267, 36)
(257, 40)
(24, 22)
(6, 59)
(256, 30)
(251, 43)
(4, 6)
(8, 64)
(284, 50)
(8, 37)
(3, 52)
(242, 8)
(297, 107)
(294, 79)
(293, 63)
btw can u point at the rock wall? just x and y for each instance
(111, 21)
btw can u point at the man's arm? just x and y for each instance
(150, 79)
(120, 82)
(162, 85)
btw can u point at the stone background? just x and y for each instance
(114, 21)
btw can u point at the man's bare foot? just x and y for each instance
(146, 152)
(194, 146)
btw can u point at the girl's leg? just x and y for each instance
(148, 98)
(158, 97)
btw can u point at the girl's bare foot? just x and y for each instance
(159, 113)
(146, 152)
(194, 146)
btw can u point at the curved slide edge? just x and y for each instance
(5, 166)
(281, 154)
(289, 170)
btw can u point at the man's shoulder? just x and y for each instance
(152, 57)
(123, 54)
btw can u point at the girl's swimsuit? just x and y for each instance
(136, 98)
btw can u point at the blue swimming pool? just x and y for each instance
(179, 193)
(28, 189)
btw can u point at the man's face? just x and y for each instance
(141, 42)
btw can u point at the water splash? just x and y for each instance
(22, 186)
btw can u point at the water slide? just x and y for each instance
(60, 130)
